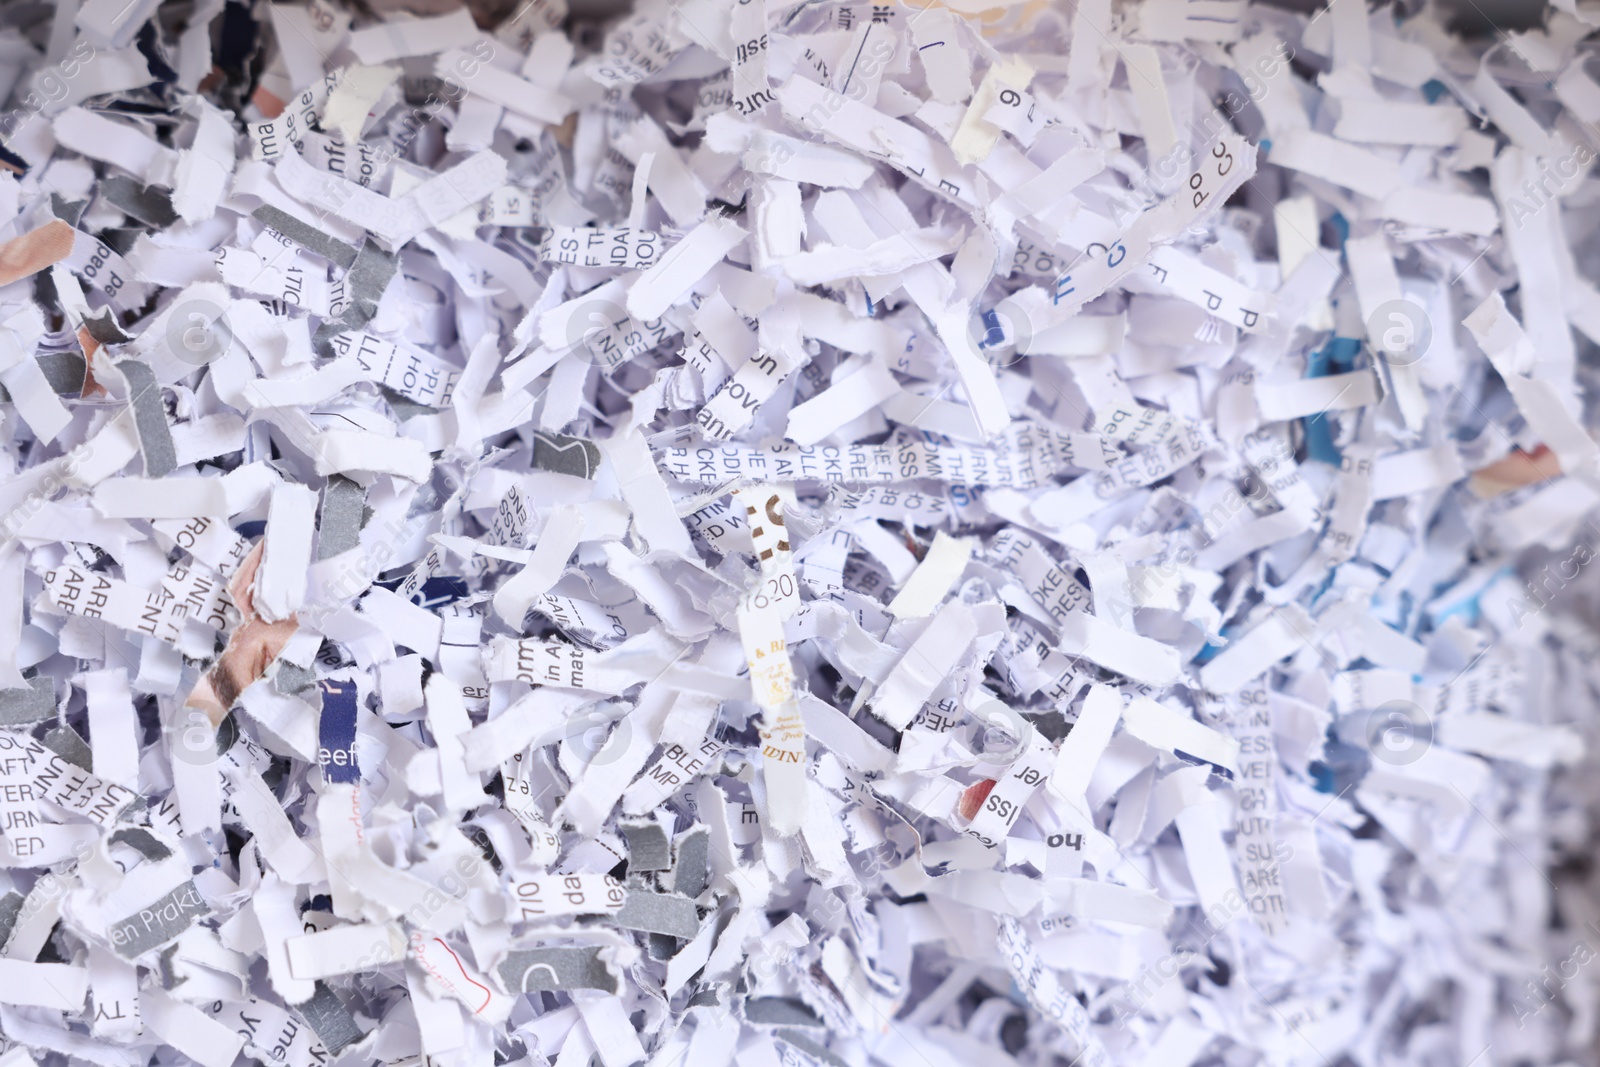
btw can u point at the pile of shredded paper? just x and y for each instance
(797, 532)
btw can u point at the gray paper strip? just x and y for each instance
(290, 678)
(10, 908)
(146, 203)
(566, 455)
(659, 913)
(648, 848)
(64, 371)
(66, 743)
(36, 703)
(690, 875)
(540, 969)
(366, 280)
(326, 1014)
(369, 276)
(159, 923)
(149, 418)
(340, 527)
(779, 1011)
(307, 236)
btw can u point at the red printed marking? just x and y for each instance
(487, 994)
(973, 796)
